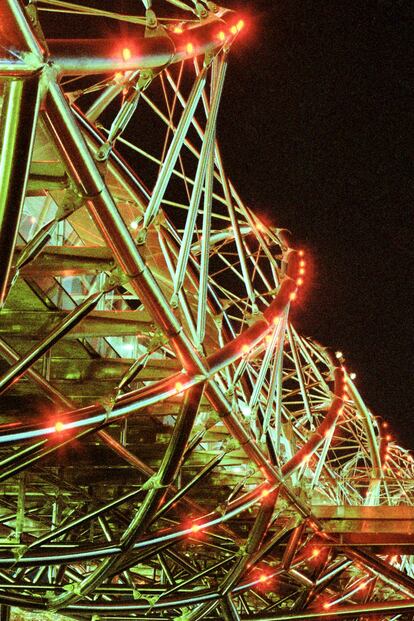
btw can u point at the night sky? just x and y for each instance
(315, 127)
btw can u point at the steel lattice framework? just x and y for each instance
(171, 447)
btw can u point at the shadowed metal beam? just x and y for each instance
(20, 368)
(99, 323)
(18, 121)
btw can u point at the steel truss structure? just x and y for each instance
(171, 447)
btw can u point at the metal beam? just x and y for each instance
(20, 107)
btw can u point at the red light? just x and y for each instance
(263, 578)
(388, 438)
(315, 552)
(221, 36)
(126, 54)
(301, 253)
(299, 282)
(301, 271)
(189, 48)
(385, 424)
(59, 426)
(302, 263)
(327, 605)
(292, 296)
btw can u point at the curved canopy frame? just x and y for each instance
(171, 447)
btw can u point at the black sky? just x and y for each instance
(316, 127)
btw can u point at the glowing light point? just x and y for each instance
(221, 36)
(190, 48)
(338, 354)
(263, 578)
(245, 349)
(315, 552)
(240, 25)
(265, 493)
(327, 605)
(299, 281)
(292, 296)
(178, 30)
(301, 253)
(178, 386)
(388, 437)
(126, 54)
(352, 376)
(233, 30)
(302, 271)
(302, 263)
(33, 219)
(134, 225)
(195, 528)
(59, 426)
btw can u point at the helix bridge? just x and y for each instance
(171, 447)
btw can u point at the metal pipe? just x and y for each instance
(20, 108)
(345, 612)
(17, 33)
(256, 536)
(292, 545)
(92, 56)
(19, 368)
(174, 150)
(199, 181)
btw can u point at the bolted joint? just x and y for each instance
(150, 19)
(153, 482)
(201, 10)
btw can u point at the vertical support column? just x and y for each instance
(4, 612)
(17, 128)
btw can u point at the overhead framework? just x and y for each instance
(171, 447)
